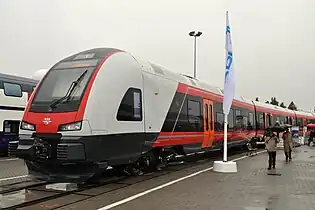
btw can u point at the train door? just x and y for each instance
(208, 121)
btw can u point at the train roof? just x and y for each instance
(305, 113)
(185, 79)
(20, 79)
(197, 83)
(164, 72)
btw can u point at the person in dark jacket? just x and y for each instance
(311, 137)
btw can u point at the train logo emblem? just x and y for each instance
(46, 121)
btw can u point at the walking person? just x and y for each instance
(311, 137)
(287, 144)
(271, 141)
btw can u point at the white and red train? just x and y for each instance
(14, 93)
(104, 107)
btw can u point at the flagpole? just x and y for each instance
(226, 166)
(225, 138)
(228, 84)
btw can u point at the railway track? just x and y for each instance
(8, 188)
(26, 195)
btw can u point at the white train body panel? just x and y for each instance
(9, 101)
(118, 73)
(13, 101)
(158, 94)
(14, 93)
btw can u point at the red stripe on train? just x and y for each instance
(182, 138)
(194, 91)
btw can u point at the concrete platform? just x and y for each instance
(12, 170)
(292, 186)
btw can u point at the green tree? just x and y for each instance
(282, 105)
(292, 106)
(274, 101)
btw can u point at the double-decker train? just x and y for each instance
(104, 107)
(14, 93)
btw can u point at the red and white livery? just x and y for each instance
(104, 107)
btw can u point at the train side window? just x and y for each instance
(268, 123)
(245, 122)
(231, 119)
(261, 121)
(250, 120)
(219, 123)
(282, 120)
(130, 108)
(258, 126)
(194, 111)
(278, 119)
(172, 114)
(238, 119)
(11, 89)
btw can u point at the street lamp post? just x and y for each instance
(195, 35)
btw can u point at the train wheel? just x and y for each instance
(133, 170)
(119, 170)
(151, 161)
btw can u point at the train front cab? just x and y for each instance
(79, 137)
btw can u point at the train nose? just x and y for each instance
(65, 157)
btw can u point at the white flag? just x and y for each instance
(229, 81)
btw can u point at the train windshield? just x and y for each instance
(63, 87)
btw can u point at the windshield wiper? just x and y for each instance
(70, 91)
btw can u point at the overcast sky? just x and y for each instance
(272, 39)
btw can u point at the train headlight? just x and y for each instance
(71, 127)
(27, 126)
